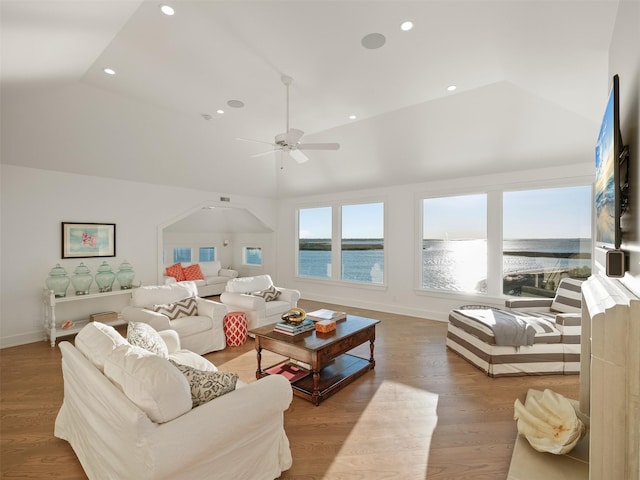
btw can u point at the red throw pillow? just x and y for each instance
(176, 272)
(193, 272)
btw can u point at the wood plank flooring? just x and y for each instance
(423, 413)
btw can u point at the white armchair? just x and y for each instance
(201, 333)
(241, 295)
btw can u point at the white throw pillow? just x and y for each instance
(144, 335)
(210, 269)
(149, 381)
(96, 341)
(192, 359)
(249, 284)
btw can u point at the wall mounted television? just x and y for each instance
(610, 195)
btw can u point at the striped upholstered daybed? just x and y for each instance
(528, 337)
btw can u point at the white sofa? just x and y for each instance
(215, 278)
(237, 435)
(240, 295)
(201, 333)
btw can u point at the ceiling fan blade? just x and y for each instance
(262, 154)
(252, 140)
(298, 156)
(293, 136)
(318, 146)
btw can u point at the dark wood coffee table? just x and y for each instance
(332, 368)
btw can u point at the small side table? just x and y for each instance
(235, 328)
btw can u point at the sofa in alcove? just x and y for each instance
(211, 280)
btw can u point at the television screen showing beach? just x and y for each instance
(605, 180)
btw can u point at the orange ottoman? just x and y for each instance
(235, 328)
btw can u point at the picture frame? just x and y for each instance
(87, 240)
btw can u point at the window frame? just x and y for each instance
(176, 260)
(336, 241)
(494, 233)
(252, 246)
(420, 254)
(502, 239)
(331, 241)
(215, 254)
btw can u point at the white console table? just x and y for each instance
(52, 329)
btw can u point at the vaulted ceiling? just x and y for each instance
(531, 77)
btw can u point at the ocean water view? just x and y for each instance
(459, 265)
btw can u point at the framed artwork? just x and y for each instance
(85, 240)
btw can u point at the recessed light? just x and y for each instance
(109, 71)
(373, 41)
(451, 88)
(406, 26)
(167, 10)
(235, 103)
(220, 111)
(352, 117)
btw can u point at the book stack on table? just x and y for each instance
(289, 328)
(325, 314)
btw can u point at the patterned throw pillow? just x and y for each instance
(269, 294)
(176, 272)
(206, 386)
(183, 308)
(193, 272)
(143, 335)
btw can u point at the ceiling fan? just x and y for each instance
(289, 142)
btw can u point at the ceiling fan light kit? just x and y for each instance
(289, 141)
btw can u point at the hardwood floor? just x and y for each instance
(423, 413)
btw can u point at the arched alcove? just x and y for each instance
(219, 220)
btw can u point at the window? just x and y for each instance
(314, 242)
(207, 254)
(182, 254)
(454, 243)
(546, 236)
(252, 255)
(362, 245)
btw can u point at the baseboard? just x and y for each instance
(23, 339)
(381, 307)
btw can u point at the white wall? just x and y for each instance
(402, 247)
(230, 256)
(624, 60)
(194, 241)
(35, 202)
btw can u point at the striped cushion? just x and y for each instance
(480, 323)
(568, 297)
(183, 308)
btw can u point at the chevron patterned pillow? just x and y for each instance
(183, 308)
(268, 294)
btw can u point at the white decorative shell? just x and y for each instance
(549, 423)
